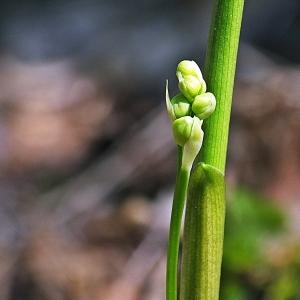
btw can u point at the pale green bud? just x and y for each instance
(193, 144)
(191, 86)
(181, 106)
(188, 134)
(204, 105)
(182, 129)
(190, 79)
(189, 67)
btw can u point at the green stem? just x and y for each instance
(220, 68)
(204, 222)
(203, 235)
(179, 198)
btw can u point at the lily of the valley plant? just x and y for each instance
(201, 160)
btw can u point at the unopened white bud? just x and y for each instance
(204, 105)
(182, 129)
(190, 80)
(193, 145)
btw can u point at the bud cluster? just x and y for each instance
(188, 109)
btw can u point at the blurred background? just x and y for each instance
(87, 160)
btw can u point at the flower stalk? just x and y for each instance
(205, 213)
(203, 189)
(186, 111)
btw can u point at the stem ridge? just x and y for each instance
(204, 230)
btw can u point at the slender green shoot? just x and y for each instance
(186, 111)
(220, 65)
(181, 186)
(204, 222)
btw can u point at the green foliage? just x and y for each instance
(250, 220)
(248, 272)
(285, 286)
(233, 290)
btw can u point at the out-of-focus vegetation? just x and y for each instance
(261, 258)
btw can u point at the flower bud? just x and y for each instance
(204, 105)
(181, 106)
(190, 79)
(189, 67)
(193, 144)
(182, 129)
